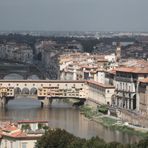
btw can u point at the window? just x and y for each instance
(129, 88)
(117, 86)
(11, 143)
(121, 86)
(5, 143)
(24, 145)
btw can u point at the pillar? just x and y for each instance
(3, 102)
(121, 103)
(127, 103)
(117, 101)
(132, 104)
(46, 102)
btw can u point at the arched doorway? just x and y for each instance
(33, 91)
(134, 101)
(39, 56)
(17, 91)
(13, 76)
(25, 91)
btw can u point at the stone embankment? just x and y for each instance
(112, 122)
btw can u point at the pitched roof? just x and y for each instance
(144, 80)
(32, 121)
(140, 70)
(100, 84)
(9, 127)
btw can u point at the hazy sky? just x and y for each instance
(74, 15)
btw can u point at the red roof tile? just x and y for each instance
(32, 121)
(100, 84)
(144, 80)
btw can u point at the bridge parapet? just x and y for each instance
(43, 89)
(89, 90)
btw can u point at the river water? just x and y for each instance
(62, 115)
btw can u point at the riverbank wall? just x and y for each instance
(133, 118)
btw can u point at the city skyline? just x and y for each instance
(74, 15)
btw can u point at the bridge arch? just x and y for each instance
(33, 77)
(25, 91)
(17, 90)
(13, 76)
(33, 91)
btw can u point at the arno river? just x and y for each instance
(62, 115)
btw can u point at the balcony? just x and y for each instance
(124, 79)
(124, 90)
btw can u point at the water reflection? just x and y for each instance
(62, 115)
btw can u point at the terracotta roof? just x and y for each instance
(113, 71)
(19, 134)
(93, 72)
(89, 67)
(100, 70)
(136, 63)
(100, 84)
(43, 81)
(32, 121)
(102, 60)
(141, 70)
(144, 80)
(9, 127)
(22, 136)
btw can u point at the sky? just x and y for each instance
(74, 15)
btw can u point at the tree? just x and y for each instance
(56, 138)
(95, 142)
(77, 143)
(143, 143)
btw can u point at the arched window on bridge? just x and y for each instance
(25, 91)
(33, 91)
(17, 90)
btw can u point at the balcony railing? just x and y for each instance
(124, 90)
(123, 79)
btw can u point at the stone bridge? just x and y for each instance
(43, 90)
(24, 71)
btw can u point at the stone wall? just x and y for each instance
(133, 118)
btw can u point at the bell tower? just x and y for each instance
(118, 52)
